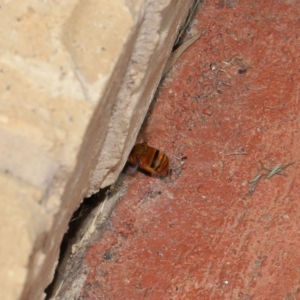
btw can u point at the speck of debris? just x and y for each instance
(107, 255)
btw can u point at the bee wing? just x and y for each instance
(130, 168)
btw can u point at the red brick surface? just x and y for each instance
(229, 105)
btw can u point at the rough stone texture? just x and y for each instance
(65, 103)
(156, 35)
(229, 106)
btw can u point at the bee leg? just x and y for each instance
(150, 170)
(156, 174)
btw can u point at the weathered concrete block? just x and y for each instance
(76, 80)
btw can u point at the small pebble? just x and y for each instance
(207, 111)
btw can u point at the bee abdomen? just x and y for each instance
(160, 162)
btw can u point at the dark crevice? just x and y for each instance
(77, 221)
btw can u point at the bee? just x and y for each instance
(148, 159)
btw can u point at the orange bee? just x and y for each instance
(149, 160)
